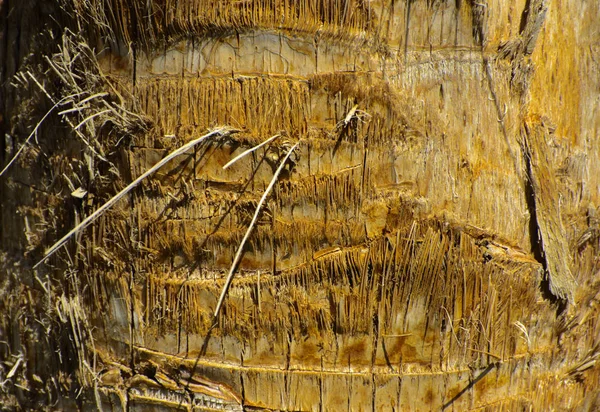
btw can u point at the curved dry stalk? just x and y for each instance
(90, 117)
(238, 157)
(61, 101)
(80, 104)
(88, 220)
(81, 136)
(238, 255)
(350, 114)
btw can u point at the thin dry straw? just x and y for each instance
(84, 121)
(88, 220)
(82, 102)
(61, 101)
(247, 235)
(238, 157)
(81, 136)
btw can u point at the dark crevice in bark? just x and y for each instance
(132, 320)
(373, 393)
(478, 30)
(537, 247)
(4, 6)
(321, 387)
(524, 16)
(530, 25)
(286, 374)
(406, 31)
(457, 5)
(349, 385)
(134, 45)
(242, 385)
(376, 331)
(179, 324)
(3, 77)
(127, 400)
(386, 355)
(399, 392)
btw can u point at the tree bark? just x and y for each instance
(431, 241)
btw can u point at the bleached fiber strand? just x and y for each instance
(84, 121)
(88, 220)
(80, 105)
(61, 101)
(94, 96)
(238, 157)
(247, 235)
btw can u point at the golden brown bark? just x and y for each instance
(431, 243)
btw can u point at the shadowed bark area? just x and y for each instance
(420, 233)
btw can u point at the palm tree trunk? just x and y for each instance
(422, 234)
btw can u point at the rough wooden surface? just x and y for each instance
(432, 243)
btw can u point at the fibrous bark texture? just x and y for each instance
(420, 233)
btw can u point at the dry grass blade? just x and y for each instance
(238, 255)
(238, 157)
(80, 105)
(61, 101)
(350, 114)
(94, 96)
(13, 370)
(84, 121)
(81, 136)
(88, 220)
